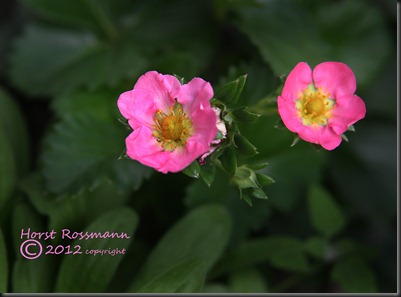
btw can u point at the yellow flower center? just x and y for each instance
(172, 130)
(314, 106)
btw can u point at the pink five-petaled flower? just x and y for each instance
(173, 124)
(320, 105)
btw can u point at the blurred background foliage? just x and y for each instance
(329, 224)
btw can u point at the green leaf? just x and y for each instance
(349, 247)
(230, 92)
(193, 169)
(93, 15)
(50, 61)
(364, 36)
(296, 140)
(72, 211)
(203, 234)
(83, 150)
(141, 20)
(351, 128)
(100, 104)
(88, 273)
(280, 125)
(24, 217)
(360, 176)
(207, 173)
(34, 276)
(243, 114)
(247, 281)
(245, 196)
(30, 276)
(8, 171)
(14, 127)
(344, 137)
(245, 178)
(259, 193)
(216, 288)
(325, 215)
(258, 166)
(316, 246)
(244, 146)
(245, 219)
(188, 276)
(4, 264)
(354, 276)
(264, 180)
(11, 15)
(282, 252)
(229, 160)
(287, 254)
(109, 43)
(298, 167)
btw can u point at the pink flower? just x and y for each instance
(173, 124)
(221, 128)
(320, 105)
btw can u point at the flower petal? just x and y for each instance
(297, 81)
(143, 147)
(336, 78)
(204, 131)
(309, 133)
(155, 91)
(328, 139)
(204, 126)
(289, 114)
(163, 89)
(323, 135)
(195, 93)
(183, 157)
(348, 110)
(124, 104)
(138, 107)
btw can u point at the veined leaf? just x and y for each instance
(14, 127)
(108, 43)
(72, 211)
(230, 92)
(4, 264)
(64, 60)
(30, 276)
(88, 272)
(247, 281)
(244, 146)
(354, 276)
(363, 36)
(96, 16)
(83, 150)
(187, 276)
(282, 252)
(202, 234)
(229, 160)
(8, 170)
(325, 215)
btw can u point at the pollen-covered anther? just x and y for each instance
(173, 129)
(314, 106)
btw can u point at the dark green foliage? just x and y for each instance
(263, 213)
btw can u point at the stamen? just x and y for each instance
(173, 129)
(314, 106)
